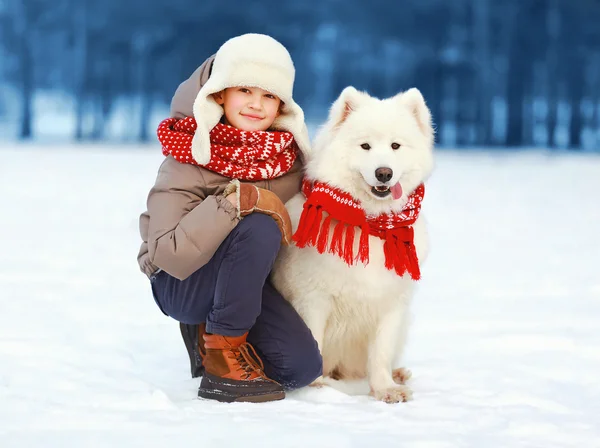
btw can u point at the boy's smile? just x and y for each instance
(248, 108)
(252, 117)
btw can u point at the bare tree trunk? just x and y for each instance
(595, 119)
(436, 93)
(81, 63)
(436, 100)
(553, 29)
(576, 91)
(519, 79)
(106, 103)
(97, 132)
(142, 47)
(145, 114)
(450, 112)
(576, 60)
(322, 60)
(481, 35)
(552, 118)
(102, 98)
(467, 108)
(529, 121)
(22, 23)
(516, 92)
(27, 88)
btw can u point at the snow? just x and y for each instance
(504, 347)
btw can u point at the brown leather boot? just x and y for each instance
(234, 372)
(194, 344)
(201, 333)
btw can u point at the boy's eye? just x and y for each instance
(270, 96)
(244, 90)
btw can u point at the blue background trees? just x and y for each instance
(495, 73)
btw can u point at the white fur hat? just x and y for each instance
(250, 60)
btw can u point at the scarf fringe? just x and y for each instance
(313, 230)
(337, 245)
(349, 245)
(399, 250)
(413, 261)
(401, 254)
(328, 208)
(324, 235)
(363, 245)
(305, 226)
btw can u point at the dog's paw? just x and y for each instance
(393, 394)
(401, 375)
(318, 383)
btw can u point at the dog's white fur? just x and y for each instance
(358, 314)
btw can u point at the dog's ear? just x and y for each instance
(415, 102)
(348, 101)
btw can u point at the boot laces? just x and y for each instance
(248, 360)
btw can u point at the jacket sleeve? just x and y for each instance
(186, 225)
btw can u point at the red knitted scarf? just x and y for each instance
(394, 229)
(234, 153)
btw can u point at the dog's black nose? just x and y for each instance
(384, 174)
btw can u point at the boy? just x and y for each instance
(216, 219)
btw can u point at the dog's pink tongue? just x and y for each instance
(396, 191)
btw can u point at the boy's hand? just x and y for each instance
(253, 199)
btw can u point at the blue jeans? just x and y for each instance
(233, 295)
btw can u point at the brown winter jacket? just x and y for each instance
(188, 217)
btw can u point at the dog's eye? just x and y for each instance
(365, 146)
(395, 145)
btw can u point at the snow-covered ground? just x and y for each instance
(504, 347)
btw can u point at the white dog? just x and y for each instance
(359, 237)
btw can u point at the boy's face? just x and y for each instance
(248, 108)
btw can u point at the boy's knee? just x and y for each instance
(260, 230)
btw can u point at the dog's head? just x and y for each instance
(377, 150)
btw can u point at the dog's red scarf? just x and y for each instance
(234, 153)
(394, 229)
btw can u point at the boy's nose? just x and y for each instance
(256, 102)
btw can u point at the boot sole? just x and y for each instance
(224, 397)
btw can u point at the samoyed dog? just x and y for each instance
(359, 237)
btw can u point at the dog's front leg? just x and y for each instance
(381, 355)
(315, 310)
(401, 375)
